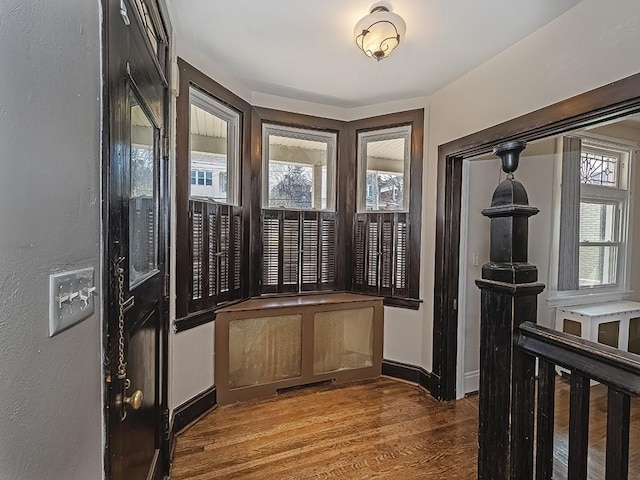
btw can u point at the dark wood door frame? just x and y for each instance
(609, 102)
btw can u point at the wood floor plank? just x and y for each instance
(376, 429)
(372, 429)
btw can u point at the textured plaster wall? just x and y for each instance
(50, 397)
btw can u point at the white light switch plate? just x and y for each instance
(71, 298)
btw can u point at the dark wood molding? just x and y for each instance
(415, 118)
(255, 205)
(194, 320)
(609, 102)
(278, 117)
(409, 303)
(410, 373)
(189, 76)
(298, 120)
(346, 205)
(192, 409)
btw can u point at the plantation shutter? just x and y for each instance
(381, 253)
(270, 251)
(216, 254)
(298, 251)
(197, 239)
(327, 251)
(310, 251)
(290, 251)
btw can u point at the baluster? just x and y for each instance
(618, 417)
(578, 426)
(545, 416)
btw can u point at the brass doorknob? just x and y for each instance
(135, 400)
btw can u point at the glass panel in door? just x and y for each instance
(143, 218)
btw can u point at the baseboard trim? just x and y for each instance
(471, 381)
(410, 373)
(190, 410)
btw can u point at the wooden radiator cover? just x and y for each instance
(263, 345)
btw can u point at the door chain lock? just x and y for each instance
(122, 399)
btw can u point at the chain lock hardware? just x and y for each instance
(119, 274)
(122, 400)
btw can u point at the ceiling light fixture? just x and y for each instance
(379, 33)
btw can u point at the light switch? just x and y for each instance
(71, 298)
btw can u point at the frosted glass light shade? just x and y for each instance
(379, 33)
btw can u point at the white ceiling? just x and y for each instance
(305, 49)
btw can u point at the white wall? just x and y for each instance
(554, 63)
(50, 388)
(192, 363)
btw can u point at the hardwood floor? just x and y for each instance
(377, 429)
(373, 429)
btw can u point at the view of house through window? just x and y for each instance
(214, 145)
(383, 169)
(298, 168)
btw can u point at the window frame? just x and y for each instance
(363, 138)
(346, 197)
(316, 135)
(192, 312)
(213, 106)
(408, 297)
(281, 119)
(620, 196)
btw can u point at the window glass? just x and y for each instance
(600, 231)
(298, 169)
(599, 167)
(598, 221)
(383, 169)
(143, 218)
(214, 149)
(598, 265)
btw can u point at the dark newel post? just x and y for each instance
(509, 297)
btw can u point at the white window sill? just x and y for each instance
(583, 297)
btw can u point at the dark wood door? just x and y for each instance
(136, 253)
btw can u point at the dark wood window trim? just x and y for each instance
(407, 297)
(346, 173)
(191, 312)
(609, 102)
(194, 312)
(262, 116)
